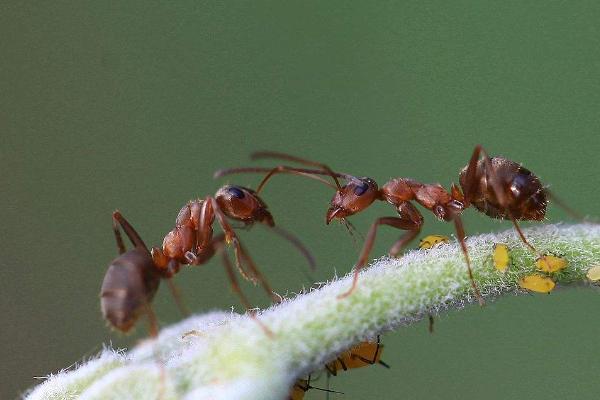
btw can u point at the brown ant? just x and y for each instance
(132, 278)
(497, 187)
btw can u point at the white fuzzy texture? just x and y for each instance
(228, 356)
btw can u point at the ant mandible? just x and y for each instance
(132, 278)
(497, 187)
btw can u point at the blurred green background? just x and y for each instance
(107, 106)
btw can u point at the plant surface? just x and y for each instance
(228, 356)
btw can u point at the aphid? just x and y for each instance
(361, 355)
(501, 257)
(551, 263)
(431, 241)
(497, 187)
(537, 283)
(593, 273)
(302, 386)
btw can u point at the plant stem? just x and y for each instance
(228, 356)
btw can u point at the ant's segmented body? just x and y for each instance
(497, 187)
(133, 278)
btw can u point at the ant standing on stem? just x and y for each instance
(497, 187)
(132, 279)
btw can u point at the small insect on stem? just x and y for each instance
(431, 241)
(362, 355)
(495, 186)
(302, 386)
(537, 283)
(501, 257)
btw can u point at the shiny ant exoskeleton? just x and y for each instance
(132, 278)
(497, 187)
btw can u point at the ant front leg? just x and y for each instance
(411, 221)
(241, 253)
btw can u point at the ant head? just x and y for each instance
(243, 204)
(354, 197)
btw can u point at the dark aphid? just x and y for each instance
(498, 187)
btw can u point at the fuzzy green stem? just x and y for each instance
(228, 356)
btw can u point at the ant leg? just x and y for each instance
(407, 222)
(431, 322)
(460, 232)
(118, 237)
(240, 252)
(401, 243)
(229, 235)
(176, 293)
(152, 321)
(233, 280)
(236, 287)
(131, 233)
(288, 157)
(500, 195)
(256, 272)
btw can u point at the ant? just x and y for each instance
(497, 187)
(132, 279)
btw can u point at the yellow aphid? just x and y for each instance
(593, 273)
(537, 283)
(432, 240)
(551, 263)
(501, 257)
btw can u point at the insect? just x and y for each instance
(361, 355)
(537, 283)
(551, 263)
(131, 281)
(133, 278)
(302, 386)
(501, 257)
(497, 187)
(593, 273)
(430, 241)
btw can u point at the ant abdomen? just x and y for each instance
(128, 288)
(525, 197)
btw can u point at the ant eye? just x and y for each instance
(524, 171)
(236, 192)
(361, 189)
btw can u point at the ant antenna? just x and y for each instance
(301, 248)
(284, 156)
(306, 172)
